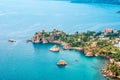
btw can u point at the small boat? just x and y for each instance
(11, 40)
(29, 40)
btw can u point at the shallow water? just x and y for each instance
(26, 61)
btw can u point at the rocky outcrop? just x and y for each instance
(89, 54)
(55, 48)
(44, 40)
(66, 47)
(77, 48)
(62, 63)
(97, 54)
(56, 42)
(107, 73)
(112, 64)
(92, 47)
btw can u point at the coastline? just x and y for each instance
(39, 38)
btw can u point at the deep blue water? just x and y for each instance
(19, 20)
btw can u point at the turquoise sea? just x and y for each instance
(19, 20)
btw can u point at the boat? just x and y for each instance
(11, 40)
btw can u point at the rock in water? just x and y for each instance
(54, 48)
(61, 63)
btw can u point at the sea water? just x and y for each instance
(19, 20)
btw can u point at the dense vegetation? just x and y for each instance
(99, 43)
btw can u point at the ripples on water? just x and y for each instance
(24, 61)
(23, 18)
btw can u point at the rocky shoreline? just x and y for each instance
(90, 48)
(55, 48)
(65, 47)
(107, 73)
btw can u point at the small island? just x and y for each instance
(62, 63)
(54, 48)
(91, 43)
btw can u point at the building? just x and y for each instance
(107, 30)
